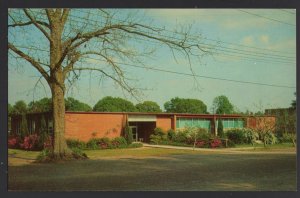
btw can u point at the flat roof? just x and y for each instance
(168, 114)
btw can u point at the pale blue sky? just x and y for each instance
(259, 28)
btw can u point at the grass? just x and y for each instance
(157, 169)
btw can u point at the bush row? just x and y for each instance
(37, 143)
(30, 142)
(102, 143)
(189, 136)
(201, 138)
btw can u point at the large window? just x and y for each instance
(232, 123)
(193, 122)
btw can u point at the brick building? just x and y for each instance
(85, 125)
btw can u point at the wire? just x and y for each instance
(193, 75)
(118, 20)
(266, 18)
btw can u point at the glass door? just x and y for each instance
(134, 133)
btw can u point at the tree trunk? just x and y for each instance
(60, 146)
(58, 89)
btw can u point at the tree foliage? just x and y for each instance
(222, 105)
(75, 105)
(111, 104)
(148, 106)
(183, 105)
(42, 105)
(9, 109)
(19, 108)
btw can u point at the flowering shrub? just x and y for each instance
(201, 143)
(14, 142)
(215, 143)
(30, 142)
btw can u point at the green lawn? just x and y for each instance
(156, 169)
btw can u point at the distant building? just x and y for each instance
(85, 125)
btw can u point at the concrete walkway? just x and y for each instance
(226, 150)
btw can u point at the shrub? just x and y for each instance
(30, 142)
(180, 136)
(158, 131)
(155, 139)
(216, 143)
(201, 144)
(93, 143)
(288, 138)
(268, 137)
(171, 134)
(250, 135)
(14, 142)
(118, 142)
(128, 134)
(135, 145)
(75, 143)
(237, 136)
(98, 143)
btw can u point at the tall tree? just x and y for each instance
(222, 105)
(75, 105)
(185, 105)
(57, 41)
(20, 107)
(111, 104)
(148, 106)
(42, 105)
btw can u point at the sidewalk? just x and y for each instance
(223, 150)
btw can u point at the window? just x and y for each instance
(193, 122)
(232, 123)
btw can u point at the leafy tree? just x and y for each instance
(57, 44)
(221, 105)
(111, 104)
(128, 134)
(24, 127)
(9, 109)
(220, 128)
(148, 106)
(42, 105)
(43, 132)
(75, 105)
(183, 105)
(19, 108)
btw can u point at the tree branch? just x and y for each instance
(30, 60)
(64, 16)
(36, 24)
(29, 23)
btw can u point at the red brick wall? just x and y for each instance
(82, 126)
(261, 122)
(164, 122)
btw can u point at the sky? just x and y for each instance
(248, 45)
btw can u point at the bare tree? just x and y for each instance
(72, 36)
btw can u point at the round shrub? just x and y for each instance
(237, 136)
